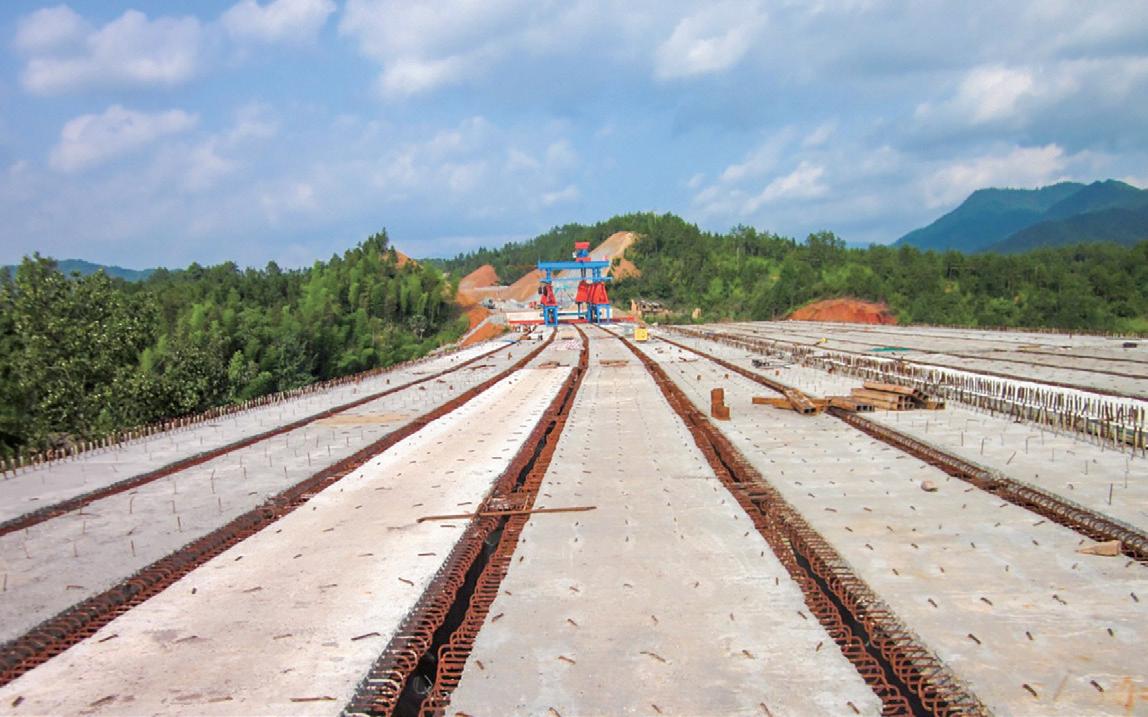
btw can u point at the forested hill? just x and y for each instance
(750, 274)
(1119, 225)
(81, 357)
(514, 259)
(68, 267)
(1010, 220)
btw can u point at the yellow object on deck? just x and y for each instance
(641, 333)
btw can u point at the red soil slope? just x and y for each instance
(852, 311)
(470, 295)
(615, 247)
(525, 289)
(402, 259)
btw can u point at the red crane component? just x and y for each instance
(598, 294)
(547, 294)
(583, 294)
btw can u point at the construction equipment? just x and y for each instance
(591, 301)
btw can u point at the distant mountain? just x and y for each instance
(84, 268)
(1096, 197)
(1119, 224)
(1059, 214)
(988, 216)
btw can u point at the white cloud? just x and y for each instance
(518, 160)
(425, 46)
(295, 21)
(761, 160)
(130, 51)
(565, 195)
(1020, 167)
(49, 29)
(252, 121)
(291, 198)
(987, 94)
(709, 41)
(560, 155)
(991, 93)
(91, 140)
(204, 166)
(802, 183)
(819, 136)
(412, 76)
(390, 29)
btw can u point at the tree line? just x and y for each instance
(748, 274)
(81, 357)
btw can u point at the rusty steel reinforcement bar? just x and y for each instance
(1108, 417)
(80, 501)
(455, 603)
(1087, 522)
(82, 620)
(778, 386)
(904, 673)
(974, 356)
(747, 333)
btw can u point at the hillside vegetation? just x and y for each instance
(1013, 220)
(68, 267)
(750, 274)
(82, 356)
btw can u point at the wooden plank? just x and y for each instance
(499, 513)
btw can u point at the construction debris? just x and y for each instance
(872, 396)
(888, 397)
(1109, 549)
(718, 409)
(500, 513)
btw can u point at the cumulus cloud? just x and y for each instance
(709, 41)
(991, 94)
(294, 21)
(1018, 167)
(408, 76)
(93, 139)
(425, 46)
(802, 183)
(864, 117)
(761, 159)
(64, 54)
(565, 195)
(422, 48)
(49, 29)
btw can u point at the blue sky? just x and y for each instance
(163, 133)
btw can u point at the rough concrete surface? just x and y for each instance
(273, 618)
(1080, 468)
(662, 600)
(973, 575)
(1089, 362)
(44, 485)
(62, 561)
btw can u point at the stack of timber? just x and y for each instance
(873, 396)
(888, 397)
(794, 400)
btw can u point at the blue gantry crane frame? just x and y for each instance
(597, 308)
